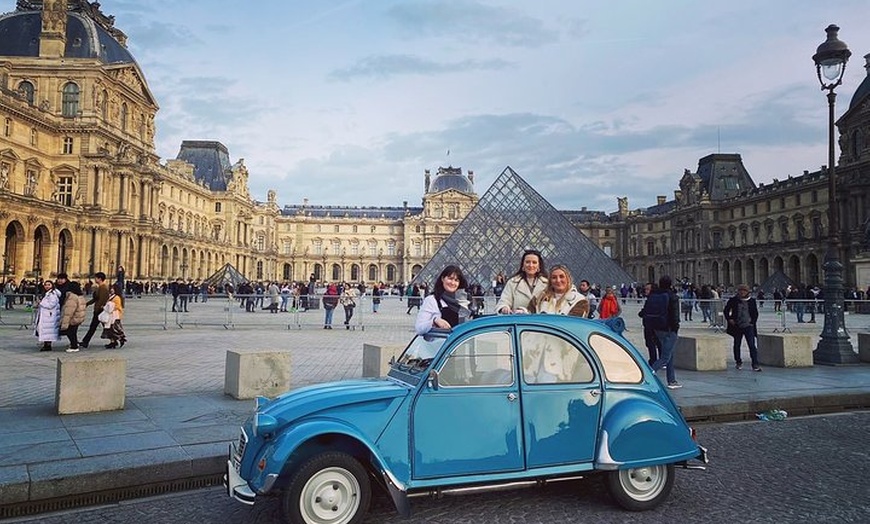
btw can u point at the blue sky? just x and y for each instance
(347, 102)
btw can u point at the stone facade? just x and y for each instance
(82, 190)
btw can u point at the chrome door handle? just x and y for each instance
(512, 397)
(594, 392)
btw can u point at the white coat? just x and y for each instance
(48, 317)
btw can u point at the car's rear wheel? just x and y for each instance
(640, 489)
(328, 488)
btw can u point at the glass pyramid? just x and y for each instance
(508, 219)
(226, 274)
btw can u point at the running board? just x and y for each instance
(439, 492)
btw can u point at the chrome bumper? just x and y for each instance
(237, 487)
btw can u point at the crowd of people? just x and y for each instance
(61, 307)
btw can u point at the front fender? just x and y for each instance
(280, 451)
(637, 432)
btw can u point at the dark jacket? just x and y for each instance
(730, 311)
(673, 310)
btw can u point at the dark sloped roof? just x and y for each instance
(723, 176)
(395, 213)
(19, 36)
(864, 89)
(211, 162)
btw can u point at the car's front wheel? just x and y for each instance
(640, 489)
(328, 488)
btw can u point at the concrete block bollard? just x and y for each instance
(250, 373)
(376, 359)
(786, 350)
(88, 384)
(864, 347)
(701, 352)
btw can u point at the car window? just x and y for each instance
(550, 359)
(619, 365)
(484, 359)
(420, 352)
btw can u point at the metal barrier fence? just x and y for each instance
(17, 310)
(396, 312)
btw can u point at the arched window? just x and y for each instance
(25, 90)
(373, 272)
(70, 107)
(259, 270)
(391, 273)
(336, 272)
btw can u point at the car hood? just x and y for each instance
(363, 397)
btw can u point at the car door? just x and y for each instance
(561, 400)
(469, 422)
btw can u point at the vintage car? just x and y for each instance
(499, 400)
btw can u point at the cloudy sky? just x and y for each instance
(347, 102)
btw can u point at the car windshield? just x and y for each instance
(421, 351)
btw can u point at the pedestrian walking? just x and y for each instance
(113, 313)
(48, 316)
(377, 291)
(98, 299)
(741, 313)
(653, 346)
(348, 302)
(73, 315)
(9, 293)
(330, 302)
(662, 310)
(609, 306)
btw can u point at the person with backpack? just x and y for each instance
(741, 312)
(662, 313)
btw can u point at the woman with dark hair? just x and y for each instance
(443, 308)
(528, 283)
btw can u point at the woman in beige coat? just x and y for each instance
(529, 282)
(72, 315)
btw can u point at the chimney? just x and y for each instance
(52, 39)
(426, 181)
(661, 199)
(471, 173)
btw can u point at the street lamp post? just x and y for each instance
(834, 346)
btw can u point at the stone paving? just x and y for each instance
(177, 421)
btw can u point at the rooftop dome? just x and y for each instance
(864, 89)
(89, 33)
(451, 178)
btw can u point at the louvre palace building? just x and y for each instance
(82, 190)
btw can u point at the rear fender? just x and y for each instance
(638, 432)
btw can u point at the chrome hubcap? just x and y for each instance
(643, 483)
(330, 497)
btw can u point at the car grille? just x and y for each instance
(240, 450)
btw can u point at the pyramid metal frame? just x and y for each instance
(508, 219)
(228, 273)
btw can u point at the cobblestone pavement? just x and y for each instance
(188, 356)
(803, 470)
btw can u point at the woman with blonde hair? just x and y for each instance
(560, 297)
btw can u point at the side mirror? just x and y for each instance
(433, 379)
